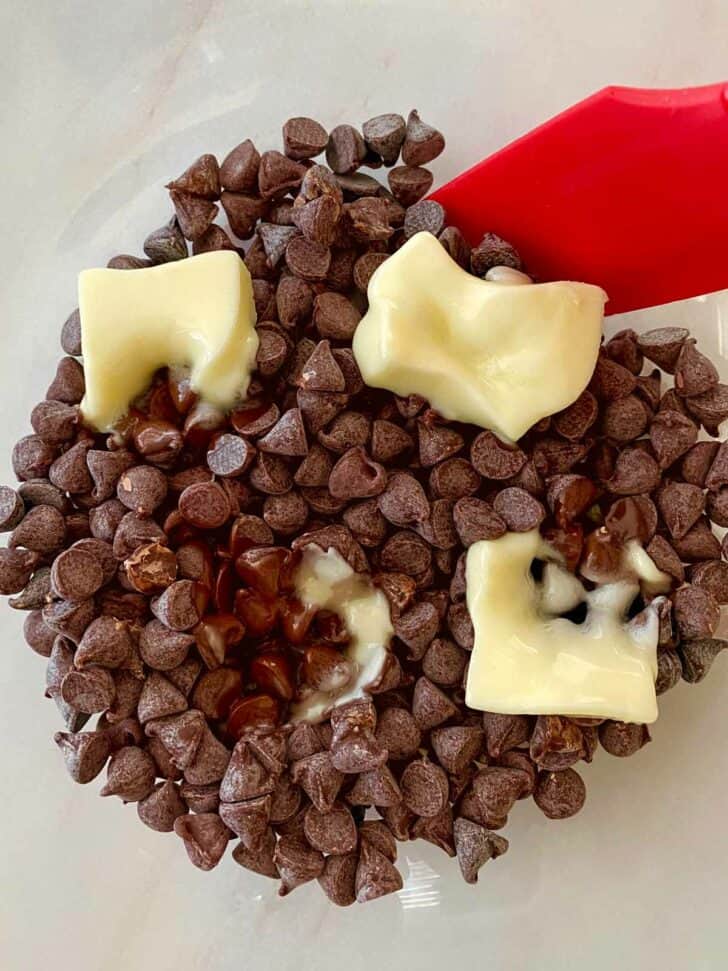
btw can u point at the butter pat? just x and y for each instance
(528, 660)
(327, 582)
(501, 355)
(197, 312)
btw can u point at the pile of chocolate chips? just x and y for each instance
(155, 564)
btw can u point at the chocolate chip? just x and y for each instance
(315, 468)
(334, 316)
(32, 458)
(40, 492)
(42, 530)
(377, 787)
(635, 471)
(365, 267)
(180, 606)
(376, 876)
(461, 626)
(403, 502)
(126, 262)
(303, 138)
(71, 334)
(319, 779)
(492, 794)
(681, 505)
(436, 442)
(694, 373)
(287, 437)
(205, 505)
(669, 671)
(454, 478)
(416, 628)
(384, 134)
(202, 178)
(493, 459)
(409, 183)
(388, 441)
(162, 807)
(405, 552)
(105, 469)
(130, 774)
(356, 476)
(425, 788)
(167, 244)
(696, 612)
(623, 738)
(444, 663)
(662, 346)
(205, 837)
(699, 543)
(38, 636)
(194, 214)
(133, 532)
(308, 259)
(248, 820)
(611, 381)
(456, 746)
(556, 743)
(353, 381)
(348, 430)
(665, 557)
(717, 475)
(243, 211)
(142, 489)
(671, 435)
(519, 510)
(76, 575)
(69, 384)
(713, 577)
(670, 401)
(321, 371)
(345, 150)
(710, 408)
(54, 421)
(16, 569)
(475, 845)
(625, 419)
(397, 732)
(430, 706)
(624, 349)
(504, 732)
(278, 174)
(106, 642)
(697, 657)
(69, 619)
(476, 520)
(85, 753)
(214, 238)
(69, 472)
(560, 794)
(210, 761)
(159, 698)
(332, 832)
(426, 216)
(239, 170)
(128, 685)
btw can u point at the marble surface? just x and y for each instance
(100, 104)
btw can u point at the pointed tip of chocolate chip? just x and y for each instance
(287, 437)
(474, 846)
(202, 179)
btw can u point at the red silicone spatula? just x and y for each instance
(627, 189)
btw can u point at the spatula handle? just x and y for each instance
(627, 189)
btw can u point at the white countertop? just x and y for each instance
(102, 103)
